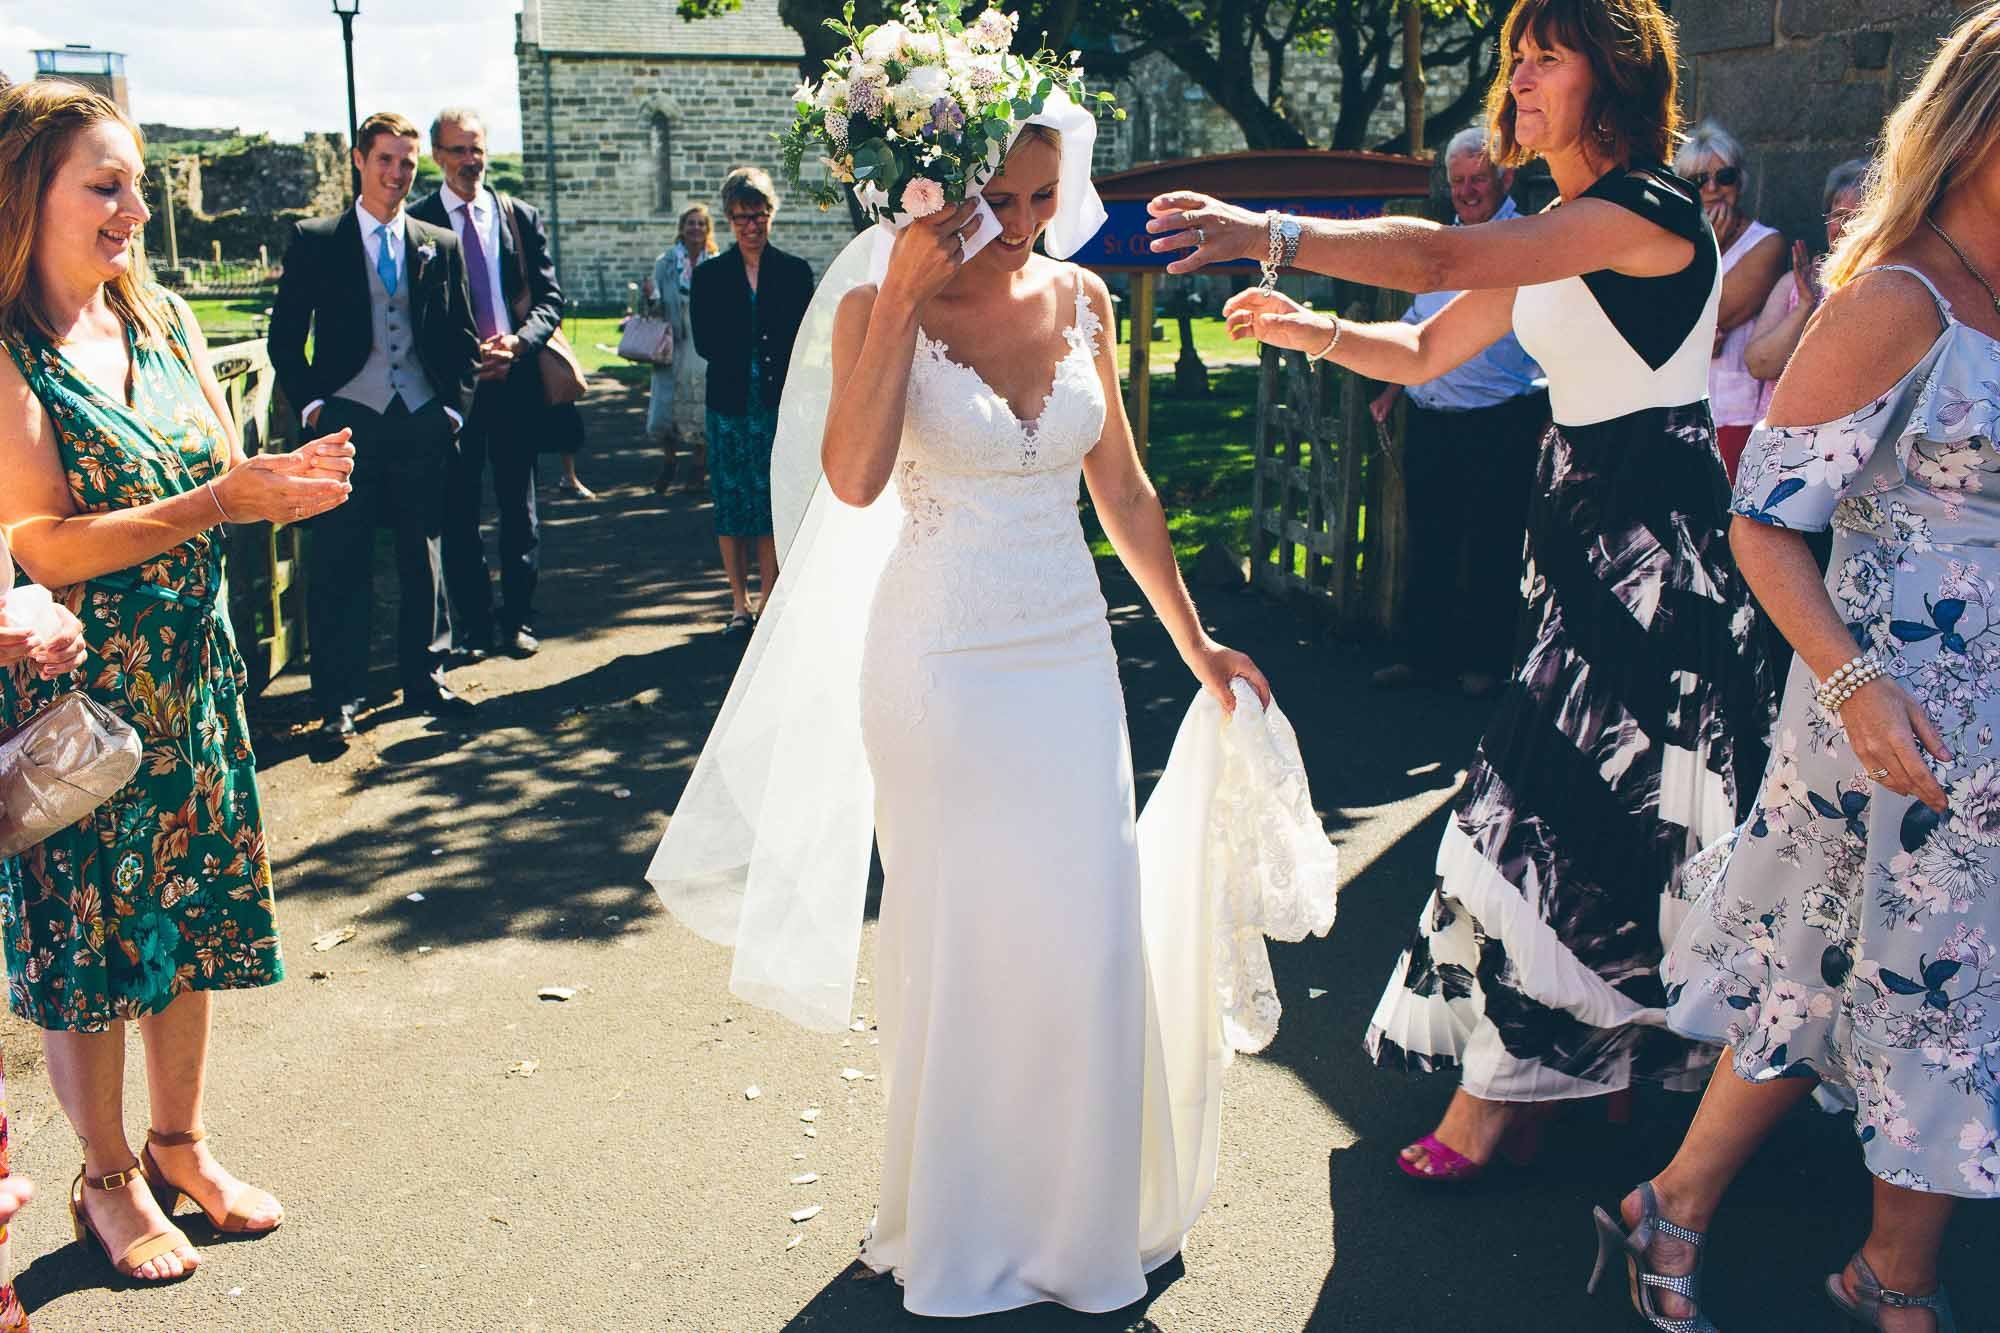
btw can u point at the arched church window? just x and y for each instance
(663, 163)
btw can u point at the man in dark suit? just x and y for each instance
(517, 306)
(395, 353)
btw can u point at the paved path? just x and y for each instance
(433, 1182)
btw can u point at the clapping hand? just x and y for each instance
(1215, 231)
(1805, 276)
(928, 253)
(284, 488)
(1276, 320)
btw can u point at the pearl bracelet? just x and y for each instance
(1845, 683)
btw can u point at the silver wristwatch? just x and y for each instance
(1283, 231)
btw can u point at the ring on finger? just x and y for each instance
(1879, 774)
(1201, 236)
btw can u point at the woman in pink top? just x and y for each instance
(1753, 259)
(1775, 335)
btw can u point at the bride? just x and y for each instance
(1051, 1038)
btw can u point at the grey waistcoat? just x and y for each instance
(392, 369)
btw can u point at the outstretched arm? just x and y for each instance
(1129, 508)
(1415, 255)
(1398, 353)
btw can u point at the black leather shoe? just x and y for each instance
(440, 703)
(521, 642)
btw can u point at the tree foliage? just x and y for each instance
(1241, 53)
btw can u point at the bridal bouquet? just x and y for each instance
(916, 114)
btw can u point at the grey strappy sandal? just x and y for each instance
(1867, 1312)
(1613, 1240)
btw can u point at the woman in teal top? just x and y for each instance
(121, 469)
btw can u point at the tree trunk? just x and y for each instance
(1413, 78)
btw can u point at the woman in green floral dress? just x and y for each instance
(120, 474)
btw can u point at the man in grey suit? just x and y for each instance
(517, 306)
(395, 353)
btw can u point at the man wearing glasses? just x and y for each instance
(517, 305)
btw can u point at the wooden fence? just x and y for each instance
(1328, 529)
(264, 562)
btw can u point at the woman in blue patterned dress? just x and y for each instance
(121, 470)
(1848, 938)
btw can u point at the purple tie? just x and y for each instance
(482, 284)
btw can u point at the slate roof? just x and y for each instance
(651, 27)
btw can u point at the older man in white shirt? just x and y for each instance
(517, 305)
(1470, 443)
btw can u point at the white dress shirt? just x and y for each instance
(483, 210)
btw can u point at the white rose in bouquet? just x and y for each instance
(832, 94)
(924, 87)
(889, 42)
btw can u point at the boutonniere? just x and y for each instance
(427, 251)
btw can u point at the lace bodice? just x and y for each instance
(991, 548)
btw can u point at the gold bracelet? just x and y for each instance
(216, 500)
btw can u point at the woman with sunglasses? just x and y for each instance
(1753, 259)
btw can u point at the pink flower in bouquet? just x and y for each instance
(922, 197)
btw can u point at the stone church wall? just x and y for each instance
(1805, 84)
(614, 218)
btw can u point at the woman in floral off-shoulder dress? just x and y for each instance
(1848, 937)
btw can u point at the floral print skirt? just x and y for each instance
(1851, 934)
(166, 887)
(1629, 738)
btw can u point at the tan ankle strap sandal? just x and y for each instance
(148, 1247)
(238, 1209)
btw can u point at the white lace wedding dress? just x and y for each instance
(1010, 972)
(1057, 988)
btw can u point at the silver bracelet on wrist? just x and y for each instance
(1323, 353)
(216, 500)
(1275, 249)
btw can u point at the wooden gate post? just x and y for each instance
(1140, 397)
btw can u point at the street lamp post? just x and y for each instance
(347, 9)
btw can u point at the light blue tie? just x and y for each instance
(385, 264)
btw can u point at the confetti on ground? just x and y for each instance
(621, 794)
(849, 1075)
(807, 1214)
(858, 1025)
(793, 1243)
(752, 1093)
(556, 993)
(805, 1178)
(437, 851)
(338, 936)
(810, 1114)
(811, 1133)
(1314, 992)
(423, 948)
(798, 1157)
(414, 897)
(523, 1068)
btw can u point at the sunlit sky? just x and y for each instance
(276, 66)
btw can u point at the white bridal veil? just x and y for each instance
(768, 850)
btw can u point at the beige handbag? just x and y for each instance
(647, 339)
(60, 765)
(563, 380)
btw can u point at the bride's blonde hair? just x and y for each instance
(1946, 127)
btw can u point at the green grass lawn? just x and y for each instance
(229, 321)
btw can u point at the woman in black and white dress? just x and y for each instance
(1633, 729)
